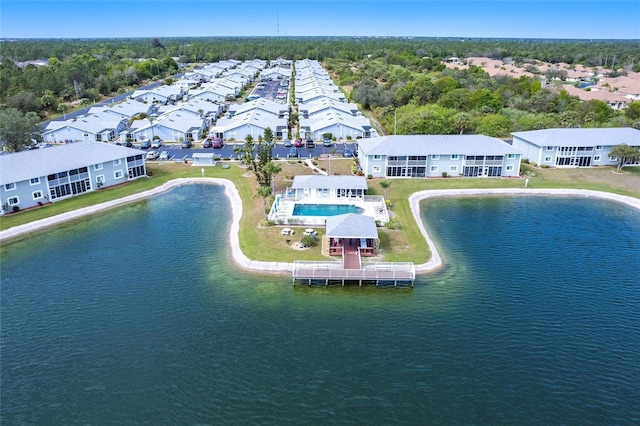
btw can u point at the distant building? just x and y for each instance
(573, 147)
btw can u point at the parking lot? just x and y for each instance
(279, 151)
(272, 90)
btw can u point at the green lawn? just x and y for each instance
(406, 244)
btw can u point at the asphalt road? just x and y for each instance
(85, 110)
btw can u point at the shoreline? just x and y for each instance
(434, 264)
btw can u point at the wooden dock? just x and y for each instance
(377, 273)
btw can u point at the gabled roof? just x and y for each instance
(351, 225)
(322, 104)
(94, 123)
(435, 145)
(330, 118)
(329, 182)
(182, 122)
(262, 104)
(24, 165)
(581, 137)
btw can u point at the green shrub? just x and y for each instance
(308, 240)
(393, 224)
(444, 174)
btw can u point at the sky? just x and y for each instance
(563, 19)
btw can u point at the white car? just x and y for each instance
(152, 155)
(164, 155)
(156, 143)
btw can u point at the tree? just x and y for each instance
(264, 192)
(462, 121)
(18, 130)
(495, 125)
(624, 154)
(384, 184)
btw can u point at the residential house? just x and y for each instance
(174, 126)
(161, 94)
(32, 178)
(101, 127)
(339, 124)
(573, 147)
(420, 156)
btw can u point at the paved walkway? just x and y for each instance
(283, 267)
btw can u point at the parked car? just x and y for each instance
(186, 144)
(156, 143)
(287, 143)
(298, 143)
(347, 152)
(310, 144)
(164, 155)
(145, 144)
(152, 155)
(128, 144)
(217, 143)
(206, 143)
(327, 142)
(293, 152)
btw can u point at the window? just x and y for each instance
(13, 201)
(36, 195)
(377, 157)
(100, 179)
(549, 148)
(117, 162)
(453, 168)
(433, 169)
(34, 181)
(118, 174)
(596, 158)
(454, 156)
(547, 159)
(435, 156)
(376, 169)
(97, 166)
(511, 156)
(599, 148)
(10, 187)
(509, 168)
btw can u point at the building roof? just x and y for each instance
(329, 182)
(402, 145)
(351, 225)
(24, 165)
(581, 137)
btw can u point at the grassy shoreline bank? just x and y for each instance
(406, 244)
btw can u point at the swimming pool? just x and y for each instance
(325, 209)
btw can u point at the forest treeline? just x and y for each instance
(401, 80)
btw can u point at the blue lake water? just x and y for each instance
(325, 209)
(137, 317)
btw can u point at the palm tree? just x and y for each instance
(264, 192)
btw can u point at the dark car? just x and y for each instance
(206, 143)
(327, 142)
(145, 144)
(347, 152)
(128, 144)
(217, 143)
(293, 152)
(298, 143)
(310, 144)
(287, 143)
(186, 144)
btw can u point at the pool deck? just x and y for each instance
(283, 207)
